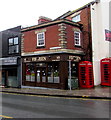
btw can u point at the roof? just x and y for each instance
(62, 16)
(51, 23)
(72, 12)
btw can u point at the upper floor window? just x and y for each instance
(76, 18)
(77, 38)
(40, 39)
(13, 44)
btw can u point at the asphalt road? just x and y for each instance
(25, 106)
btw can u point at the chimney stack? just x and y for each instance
(43, 19)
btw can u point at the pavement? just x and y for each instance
(98, 92)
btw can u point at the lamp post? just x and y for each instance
(70, 74)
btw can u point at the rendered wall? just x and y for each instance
(100, 47)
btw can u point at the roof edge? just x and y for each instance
(51, 23)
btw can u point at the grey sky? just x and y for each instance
(27, 12)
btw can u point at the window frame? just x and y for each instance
(77, 39)
(12, 45)
(40, 39)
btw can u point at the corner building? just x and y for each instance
(46, 51)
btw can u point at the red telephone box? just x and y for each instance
(106, 71)
(86, 79)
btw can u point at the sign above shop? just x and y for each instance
(107, 35)
(75, 58)
(52, 58)
(9, 61)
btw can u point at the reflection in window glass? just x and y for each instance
(30, 72)
(13, 45)
(77, 38)
(53, 73)
(11, 41)
(56, 73)
(38, 75)
(41, 39)
(15, 40)
(76, 18)
(43, 74)
(50, 73)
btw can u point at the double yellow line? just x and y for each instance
(5, 116)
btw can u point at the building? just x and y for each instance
(46, 50)
(101, 35)
(95, 19)
(10, 59)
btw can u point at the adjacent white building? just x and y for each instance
(100, 21)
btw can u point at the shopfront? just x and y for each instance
(50, 71)
(11, 69)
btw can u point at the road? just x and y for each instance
(26, 106)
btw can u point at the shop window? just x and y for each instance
(41, 39)
(30, 72)
(13, 44)
(56, 73)
(43, 74)
(53, 73)
(38, 75)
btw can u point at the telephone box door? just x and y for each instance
(86, 74)
(106, 72)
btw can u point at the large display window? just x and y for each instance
(42, 72)
(53, 73)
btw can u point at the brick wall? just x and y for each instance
(86, 31)
(59, 35)
(51, 39)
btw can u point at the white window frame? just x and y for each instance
(76, 18)
(77, 39)
(38, 40)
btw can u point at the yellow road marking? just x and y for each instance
(5, 116)
(60, 97)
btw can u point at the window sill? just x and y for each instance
(38, 47)
(79, 46)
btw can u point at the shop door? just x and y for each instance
(4, 78)
(41, 74)
(12, 78)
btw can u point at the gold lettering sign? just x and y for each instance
(75, 58)
(27, 60)
(34, 59)
(41, 59)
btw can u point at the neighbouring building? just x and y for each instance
(46, 50)
(101, 35)
(10, 58)
(95, 18)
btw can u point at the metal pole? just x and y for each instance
(70, 73)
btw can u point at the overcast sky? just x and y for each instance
(26, 12)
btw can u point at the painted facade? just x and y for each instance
(100, 22)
